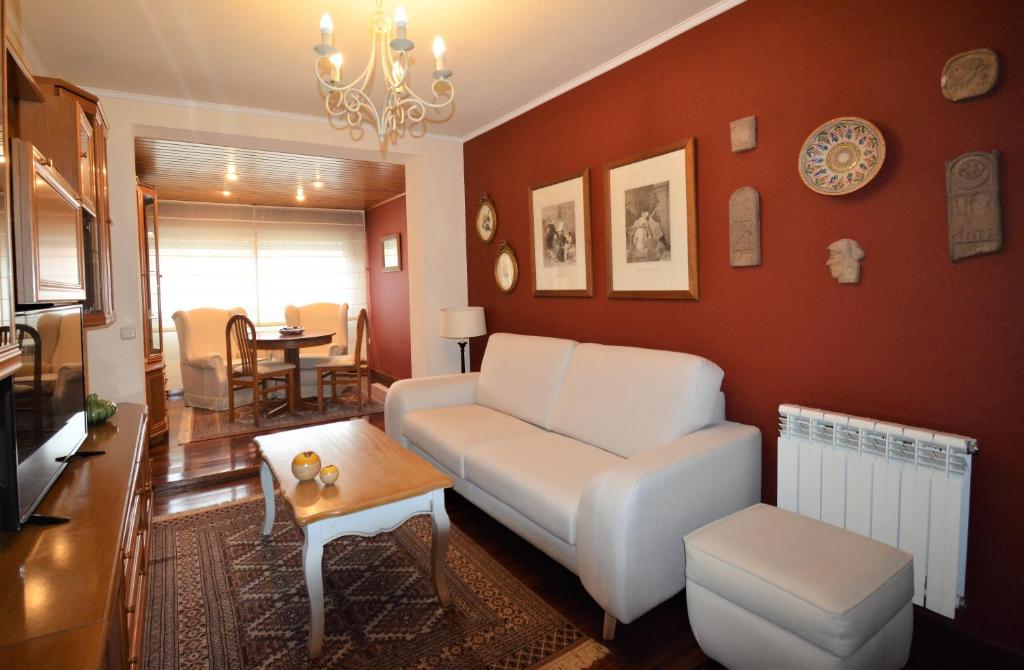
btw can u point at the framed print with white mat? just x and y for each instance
(651, 224)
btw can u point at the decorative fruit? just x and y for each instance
(98, 410)
(305, 465)
(329, 474)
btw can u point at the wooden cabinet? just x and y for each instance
(80, 602)
(86, 159)
(49, 234)
(152, 335)
(66, 125)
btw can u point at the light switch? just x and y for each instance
(127, 333)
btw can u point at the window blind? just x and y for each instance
(259, 258)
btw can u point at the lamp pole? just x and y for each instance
(462, 353)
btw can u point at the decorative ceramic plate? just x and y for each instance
(841, 156)
(291, 330)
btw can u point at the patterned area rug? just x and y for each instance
(221, 596)
(204, 424)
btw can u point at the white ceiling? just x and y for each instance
(505, 54)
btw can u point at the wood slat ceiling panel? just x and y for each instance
(198, 172)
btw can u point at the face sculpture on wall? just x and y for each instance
(844, 257)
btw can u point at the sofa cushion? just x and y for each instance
(828, 585)
(449, 433)
(627, 400)
(540, 476)
(521, 375)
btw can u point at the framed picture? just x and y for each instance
(391, 249)
(486, 219)
(652, 224)
(506, 268)
(560, 237)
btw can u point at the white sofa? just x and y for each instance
(601, 457)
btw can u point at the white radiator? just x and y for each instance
(906, 487)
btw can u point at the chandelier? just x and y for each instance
(351, 102)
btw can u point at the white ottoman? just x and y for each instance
(766, 588)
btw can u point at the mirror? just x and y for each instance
(391, 246)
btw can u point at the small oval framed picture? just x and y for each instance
(506, 268)
(486, 219)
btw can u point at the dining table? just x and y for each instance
(290, 344)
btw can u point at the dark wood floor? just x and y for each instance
(226, 470)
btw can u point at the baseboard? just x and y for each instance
(376, 376)
(378, 392)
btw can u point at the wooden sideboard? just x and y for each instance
(74, 595)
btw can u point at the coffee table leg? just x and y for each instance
(312, 564)
(440, 529)
(267, 480)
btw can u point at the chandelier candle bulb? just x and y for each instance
(400, 43)
(326, 30)
(336, 61)
(439, 53)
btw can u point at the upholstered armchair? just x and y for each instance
(60, 360)
(202, 345)
(320, 316)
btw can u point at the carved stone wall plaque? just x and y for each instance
(743, 134)
(972, 202)
(970, 74)
(844, 257)
(744, 228)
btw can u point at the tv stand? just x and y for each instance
(45, 520)
(81, 453)
(100, 568)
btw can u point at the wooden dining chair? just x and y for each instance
(251, 373)
(348, 368)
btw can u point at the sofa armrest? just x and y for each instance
(410, 395)
(632, 517)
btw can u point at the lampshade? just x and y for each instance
(462, 322)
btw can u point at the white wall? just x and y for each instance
(435, 211)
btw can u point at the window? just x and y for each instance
(259, 258)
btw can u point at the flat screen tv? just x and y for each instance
(42, 409)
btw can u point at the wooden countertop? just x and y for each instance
(57, 581)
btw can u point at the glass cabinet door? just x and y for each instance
(6, 260)
(150, 261)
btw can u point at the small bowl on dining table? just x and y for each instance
(291, 330)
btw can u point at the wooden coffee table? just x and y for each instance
(381, 485)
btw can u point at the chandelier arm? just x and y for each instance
(359, 82)
(449, 95)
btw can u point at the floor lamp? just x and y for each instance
(462, 323)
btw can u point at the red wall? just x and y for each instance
(920, 340)
(389, 293)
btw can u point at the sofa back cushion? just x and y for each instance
(627, 400)
(521, 375)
